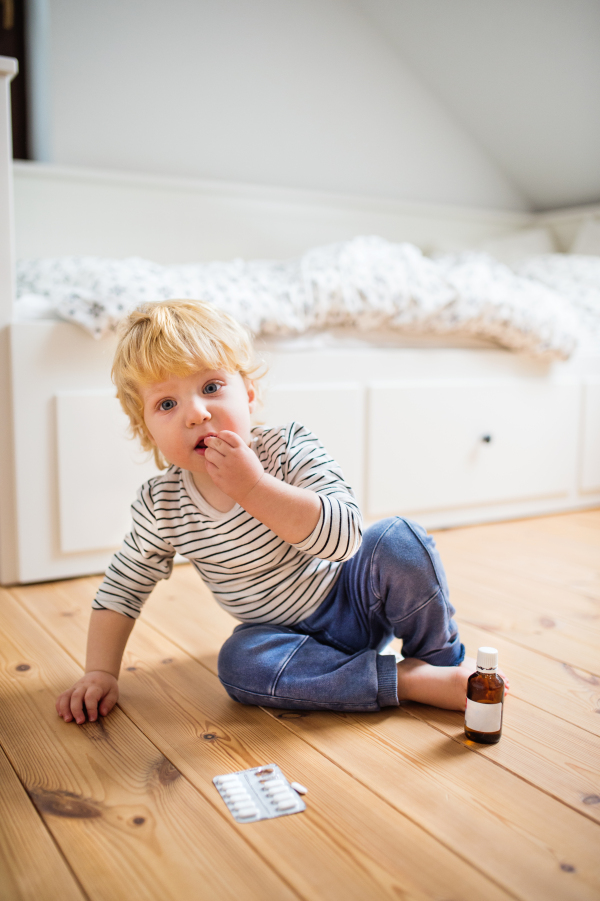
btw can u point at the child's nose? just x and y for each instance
(196, 412)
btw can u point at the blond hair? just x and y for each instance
(175, 337)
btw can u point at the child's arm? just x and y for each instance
(97, 691)
(290, 511)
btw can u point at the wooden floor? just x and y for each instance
(400, 806)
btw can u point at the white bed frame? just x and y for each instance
(408, 424)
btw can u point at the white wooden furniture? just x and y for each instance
(448, 436)
(8, 546)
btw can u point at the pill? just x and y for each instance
(237, 797)
(299, 788)
(269, 782)
(247, 811)
(279, 796)
(286, 805)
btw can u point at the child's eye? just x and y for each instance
(166, 405)
(211, 388)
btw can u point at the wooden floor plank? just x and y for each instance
(186, 635)
(405, 779)
(554, 552)
(119, 811)
(349, 843)
(519, 836)
(31, 866)
(554, 635)
(561, 759)
(546, 599)
(533, 845)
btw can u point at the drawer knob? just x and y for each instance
(487, 439)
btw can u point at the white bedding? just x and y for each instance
(369, 285)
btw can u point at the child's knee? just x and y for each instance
(401, 541)
(404, 551)
(251, 660)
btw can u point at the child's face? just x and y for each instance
(181, 412)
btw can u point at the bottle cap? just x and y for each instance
(487, 660)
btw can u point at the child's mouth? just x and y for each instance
(200, 447)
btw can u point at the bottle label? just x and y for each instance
(483, 717)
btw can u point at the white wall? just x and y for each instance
(298, 93)
(523, 76)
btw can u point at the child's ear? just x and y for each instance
(251, 394)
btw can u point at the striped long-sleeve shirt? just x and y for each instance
(253, 573)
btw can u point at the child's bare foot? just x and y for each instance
(440, 686)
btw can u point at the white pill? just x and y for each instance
(268, 783)
(246, 812)
(299, 788)
(286, 805)
(279, 796)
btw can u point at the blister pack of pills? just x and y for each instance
(260, 793)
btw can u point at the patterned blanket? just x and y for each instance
(539, 306)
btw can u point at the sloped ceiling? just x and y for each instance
(522, 76)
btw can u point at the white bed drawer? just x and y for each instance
(589, 477)
(99, 470)
(335, 412)
(434, 445)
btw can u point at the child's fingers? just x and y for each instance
(230, 438)
(91, 698)
(109, 701)
(77, 704)
(211, 469)
(213, 455)
(63, 706)
(220, 446)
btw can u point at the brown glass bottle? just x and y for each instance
(485, 700)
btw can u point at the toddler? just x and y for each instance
(266, 517)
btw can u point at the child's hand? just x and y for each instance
(95, 693)
(232, 465)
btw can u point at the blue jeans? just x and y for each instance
(394, 585)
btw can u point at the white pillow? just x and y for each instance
(528, 242)
(587, 239)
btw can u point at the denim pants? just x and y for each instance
(394, 585)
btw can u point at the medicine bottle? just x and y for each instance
(485, 699)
